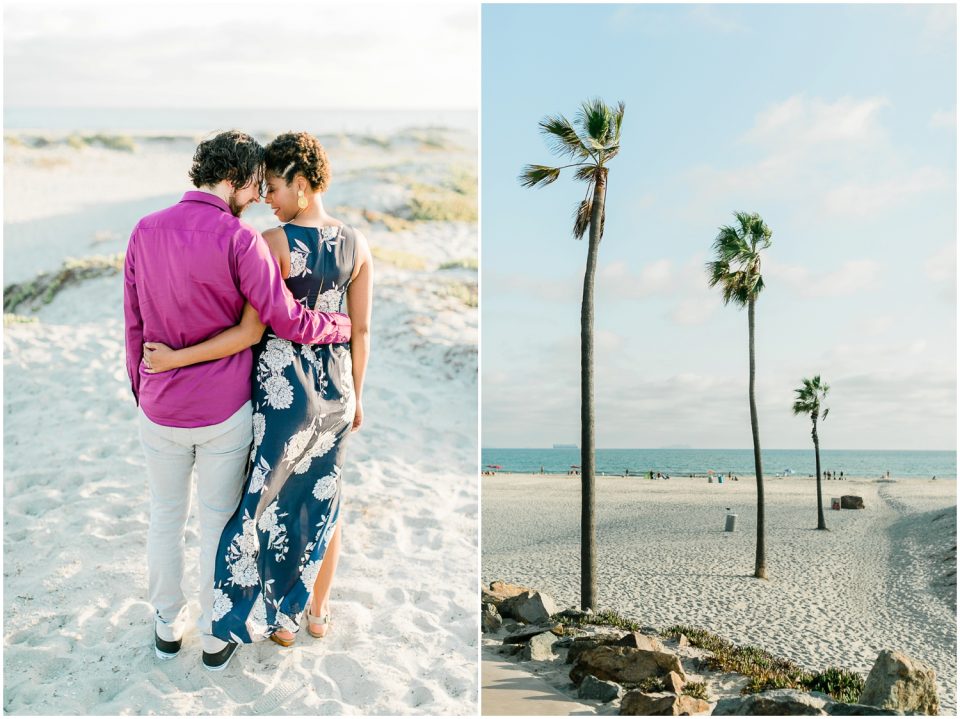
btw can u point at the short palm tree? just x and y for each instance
(810, 398)
(589, 143)
(736, 270)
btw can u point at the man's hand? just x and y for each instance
(158, 357)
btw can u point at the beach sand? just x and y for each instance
(78, 633)
(882, 578)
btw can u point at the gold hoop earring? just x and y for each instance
(301, 200)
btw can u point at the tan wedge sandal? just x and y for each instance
(321, 621)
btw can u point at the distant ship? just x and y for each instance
(564, 446)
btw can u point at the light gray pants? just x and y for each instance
(219, 454)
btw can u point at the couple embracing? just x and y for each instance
(264, 430)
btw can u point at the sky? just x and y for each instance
(241, 53)
(836, 123)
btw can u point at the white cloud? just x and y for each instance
(944, 118)
(717, 18)
(799, 122)
(848, 279)
(864, 199)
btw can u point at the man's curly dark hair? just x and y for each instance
(232, 155)
(294, 152)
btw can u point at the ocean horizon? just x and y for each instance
(254, 120)
(798, 462)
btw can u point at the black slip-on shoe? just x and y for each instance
(217, 661)
(166, 649)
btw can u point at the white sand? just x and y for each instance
(883, 577)
(77, 630)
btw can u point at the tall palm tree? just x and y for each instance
(810, 398)
(589, 143)
(737, 270)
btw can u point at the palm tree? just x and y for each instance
(589, 142)
(810, 399)
(737, 270)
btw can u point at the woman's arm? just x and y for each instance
(359, 307)
(160, 358)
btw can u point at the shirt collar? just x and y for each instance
(210, 199)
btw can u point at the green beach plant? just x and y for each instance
(589, 142)
(809, 401)
(736, 269)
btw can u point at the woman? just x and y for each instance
(279, 550)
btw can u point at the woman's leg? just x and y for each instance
(324, 581)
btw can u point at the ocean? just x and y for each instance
(254, 120)
(854, 463)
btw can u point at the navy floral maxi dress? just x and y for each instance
(303, 402)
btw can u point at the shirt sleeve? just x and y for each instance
(133, 322)
(264, 288)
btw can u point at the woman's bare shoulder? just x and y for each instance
(277, 239)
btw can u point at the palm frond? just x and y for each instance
(581, 218)
(538, 175)
(595, 119)
(587, 173)
(618, 121)
(562, 138)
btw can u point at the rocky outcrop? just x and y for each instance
(623, 664)
(593, 688)
(529, 606)
(777, 702)
(636, 640)
(900, 683)
(850, 501)
(539, 648)
(581, 644)
(490, 619)
(637, 703)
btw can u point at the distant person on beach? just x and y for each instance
(254, 584)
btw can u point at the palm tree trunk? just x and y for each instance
(588, 546)
(760, 567)
(821, 522)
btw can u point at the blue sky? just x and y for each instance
(836, 123)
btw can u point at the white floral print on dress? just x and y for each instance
(259, 427)
(329, 301)
(258, 478)
(297, 445)
(257, 621)
(279, 392)
(270, 522)
(222, 604)
(309, 574)
(326, 487)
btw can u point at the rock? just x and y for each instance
(593, 688)
(499, 592)
(530, 607)
(539, 648)
(511, 626)
(675, 683)
(683, 641)
(637, 703)
(582, 644)
(564, 643)
(623, 664)
(526, 633)
(509, 649)
(850, 501)
(574, 614)
(901, 683)
(776, 702)
(849, 710)
(637, 640)
(490, 619)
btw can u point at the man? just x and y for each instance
(189, 270)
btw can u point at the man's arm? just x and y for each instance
(133, 322)
(264, 288)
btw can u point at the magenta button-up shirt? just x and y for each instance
(189, 270)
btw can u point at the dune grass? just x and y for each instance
(41, 290)
(399, 258)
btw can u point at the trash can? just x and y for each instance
(835, 503)
(731, 524)
(710, 479)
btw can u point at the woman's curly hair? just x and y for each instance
(294, 152)
(232, 155)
